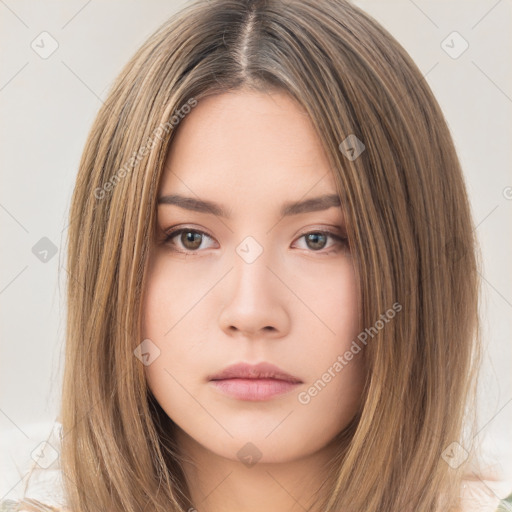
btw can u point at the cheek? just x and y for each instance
(331, 296)
(163, 307)
(156, 303)
(167, 297)
(336, 368)
(171, 305)
(340, 301)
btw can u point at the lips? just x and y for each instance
(258, 371)
(253, 383)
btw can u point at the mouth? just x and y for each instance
(253, 382)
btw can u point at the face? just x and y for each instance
(250, 278)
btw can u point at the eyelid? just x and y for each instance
(330, 230)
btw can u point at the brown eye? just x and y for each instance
(316, 241)
(321, 241)
(186, 240)
(191, 240)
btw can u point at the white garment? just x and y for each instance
(43, 480)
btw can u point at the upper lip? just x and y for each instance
(254, 371)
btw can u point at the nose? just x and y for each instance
(257, 300)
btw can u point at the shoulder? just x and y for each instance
(43, 489)
(9, 506)
(29, 505)
(485, 496)
(505, 504)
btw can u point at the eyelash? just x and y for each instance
(342, 241)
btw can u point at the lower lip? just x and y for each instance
(253, 389)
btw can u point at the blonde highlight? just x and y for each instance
(410, 228)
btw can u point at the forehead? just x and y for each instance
(248, 142)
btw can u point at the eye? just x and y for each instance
(189, 240)
(317, 240)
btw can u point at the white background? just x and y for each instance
(48, 106)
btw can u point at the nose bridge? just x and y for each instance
(250, 261)
(253, 301)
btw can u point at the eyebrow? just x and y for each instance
(314, 204)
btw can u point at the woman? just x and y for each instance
(272, 275)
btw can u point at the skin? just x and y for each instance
(295, 306)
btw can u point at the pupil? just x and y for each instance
(190, 237)
(314, 237)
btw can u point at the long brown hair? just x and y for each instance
(410, 230)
